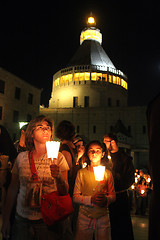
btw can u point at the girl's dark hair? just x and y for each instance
(87, 160)
(65, 130)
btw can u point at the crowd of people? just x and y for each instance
(140, 192)
(101, 208)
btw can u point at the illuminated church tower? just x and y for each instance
(90, 78)
(92, 94)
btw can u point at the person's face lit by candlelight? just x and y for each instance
(95, 154)
(110, 144)
(42, 132)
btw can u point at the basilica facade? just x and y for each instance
(92, 94)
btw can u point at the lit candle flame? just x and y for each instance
(136, 180)
(148, 179)
(99, 173)
(142, 191)
(52, 149)
(84, 165)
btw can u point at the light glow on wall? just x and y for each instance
(94, 76)
(91, 34)
(82, 76)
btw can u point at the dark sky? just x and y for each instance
(38, 39)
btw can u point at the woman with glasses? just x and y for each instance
(52, 176)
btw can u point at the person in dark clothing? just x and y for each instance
(66, 133)
(6, 145)
(8, 155)
(79, 143)
(123, 174)
(142, 191)
(7, 149)
(20, 144)
(153, 120)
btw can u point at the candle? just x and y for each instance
(84, 165)
(148, 179)
(136, 180)
(142, 191)
(99, 172)
(52, 149)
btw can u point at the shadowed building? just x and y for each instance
(19, 102)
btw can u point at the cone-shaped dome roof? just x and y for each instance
(91, 53)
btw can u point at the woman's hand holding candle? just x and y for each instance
(55, 172)
(62, 185)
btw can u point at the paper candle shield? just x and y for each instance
(52, 149)
(99, 172)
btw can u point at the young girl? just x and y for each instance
(93, 197)
(52, 177)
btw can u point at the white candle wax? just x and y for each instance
(99, 172)
(52, 149)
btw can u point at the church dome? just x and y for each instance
(91, 53)
(90, 79)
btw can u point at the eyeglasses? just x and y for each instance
(42, 128)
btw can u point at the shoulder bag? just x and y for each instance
(54, 207)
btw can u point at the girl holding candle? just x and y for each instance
(93, 197)
(142, 190)
(28, 220)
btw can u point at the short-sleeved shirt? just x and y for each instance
(22, 168)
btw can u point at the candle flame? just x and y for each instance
(149, 179)
(99, 172)
(142, 191)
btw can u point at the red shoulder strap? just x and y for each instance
(33, 168)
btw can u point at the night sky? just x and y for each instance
(38, 39)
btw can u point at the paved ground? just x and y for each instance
(140, 227)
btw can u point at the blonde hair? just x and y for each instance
(32, 125)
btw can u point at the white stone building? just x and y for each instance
(92, 94)
(19, 102)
